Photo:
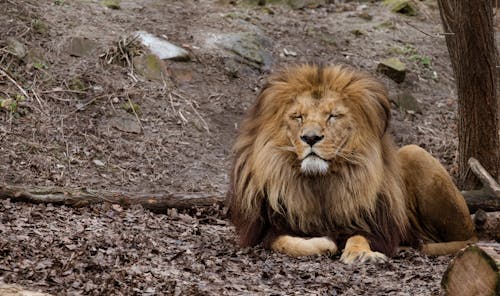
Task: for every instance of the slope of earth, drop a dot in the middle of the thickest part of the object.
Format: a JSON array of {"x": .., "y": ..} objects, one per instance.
[{"x": 78, "y": 120}]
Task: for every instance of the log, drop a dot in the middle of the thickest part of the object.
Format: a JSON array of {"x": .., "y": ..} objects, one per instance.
[
  {"x": 487, "y": 225},
  {"x": 156, "y": 202},
  {"x": 15, "y": 290},
  {"x": 481, "y": 199},
  {"x": 471, "y": 272}
]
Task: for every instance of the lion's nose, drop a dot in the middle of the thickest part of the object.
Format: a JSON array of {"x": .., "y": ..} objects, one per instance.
[{"x": 311, "y": 139}]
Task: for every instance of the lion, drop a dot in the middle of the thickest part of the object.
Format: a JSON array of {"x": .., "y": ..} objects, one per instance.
[{"x": 315, "y": 171}]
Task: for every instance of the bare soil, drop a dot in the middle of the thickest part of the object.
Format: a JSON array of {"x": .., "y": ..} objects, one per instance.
[{"x": 64, "y": 133}]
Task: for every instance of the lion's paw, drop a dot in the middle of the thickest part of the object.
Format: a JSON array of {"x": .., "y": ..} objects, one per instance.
[
  {"x": 298, "y": 246},
  {"x": 362, "y": 256},
  {"x": 323, "y": 245}
]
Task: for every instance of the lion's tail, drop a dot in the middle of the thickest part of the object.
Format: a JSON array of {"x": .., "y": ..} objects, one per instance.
[{"x": 447, "y": 248}]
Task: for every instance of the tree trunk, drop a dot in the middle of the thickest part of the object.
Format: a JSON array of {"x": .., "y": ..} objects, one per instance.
[{"x": 470, "y": 39}]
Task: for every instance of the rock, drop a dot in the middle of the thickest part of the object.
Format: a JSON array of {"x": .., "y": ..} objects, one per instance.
[
  {"x": 150, "y": 66},
  {"x": 401, "y": 6},
  {"x": 16, "y": 48},
  {"x": 393, "y": 68},
  {"x": 162, "y": 48},
  {"x": 126, "y": 124},
  {"x": 98, "y": 163},
  {"x": 253, "y": 47},
  {"x": 235, "y": 69},
  {"x": 112, "y": 4},
  {"x": 407, "y": 102},
  {"x": 80, "y": 46}
]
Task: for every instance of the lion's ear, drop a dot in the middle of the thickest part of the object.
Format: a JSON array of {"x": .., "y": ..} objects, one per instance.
[
  {"x": 373, "y": 95},
  {"x": 378, "y": 98}
]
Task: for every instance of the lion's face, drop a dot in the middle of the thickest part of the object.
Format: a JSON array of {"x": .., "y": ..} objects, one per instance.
[
  {"x": 320, "y": 129},
  {"x": 314, "y": 147}
]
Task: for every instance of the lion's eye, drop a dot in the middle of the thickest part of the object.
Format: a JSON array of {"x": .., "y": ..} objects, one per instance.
[
  {"x": 333, "y": 117},
  {"x": 297, "y": 117}
]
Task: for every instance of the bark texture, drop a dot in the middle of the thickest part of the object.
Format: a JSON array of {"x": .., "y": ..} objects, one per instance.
[
  {"x": 470, "y": 40},
  {"x": 156, "y": 202}
]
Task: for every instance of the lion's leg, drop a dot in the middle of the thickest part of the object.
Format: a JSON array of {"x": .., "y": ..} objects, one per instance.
[
  {"x": 437, "y": 210},
  {"x": 298, "y": 246},
  {"x": 357, "y": 249}
]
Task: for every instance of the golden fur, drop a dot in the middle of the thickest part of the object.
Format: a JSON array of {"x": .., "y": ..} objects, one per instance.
[{"x": 313, "y": 159}]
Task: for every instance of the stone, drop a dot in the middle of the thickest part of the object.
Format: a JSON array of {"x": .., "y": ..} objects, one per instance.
[
  {"x": 17, "y": 48},
  {"x": 112, "y": 4},
  {"x": 407, "y": 102},
  {"x": 393, "y": 68},
  {"x": 162, "y": 48},
  {"x": 126, "y": 124},
  {"x": 80, "y": 46},
  {"x": 401, "y": 6},
  {"x": 253, "y": 47},
  {"x": 150, "y": 67},
  {"x": 98, "y": 162}
]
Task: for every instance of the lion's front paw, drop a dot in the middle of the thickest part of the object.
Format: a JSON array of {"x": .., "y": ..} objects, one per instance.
[
  {"x": 323, "y": 245},
  {"x": 362, "y": 256},
  {"x": 298, "y": 246},
  {"x": 357, "y": 249}
]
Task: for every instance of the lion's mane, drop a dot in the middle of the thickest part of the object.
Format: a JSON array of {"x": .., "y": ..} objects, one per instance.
[{"x": 269, "y": 195}]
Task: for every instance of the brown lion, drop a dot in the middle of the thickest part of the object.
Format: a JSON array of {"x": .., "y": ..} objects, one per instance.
[{"x": 315, "y": 171}]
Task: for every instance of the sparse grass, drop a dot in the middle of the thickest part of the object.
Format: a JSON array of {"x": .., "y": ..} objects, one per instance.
[{"x": 411, "y": 54}]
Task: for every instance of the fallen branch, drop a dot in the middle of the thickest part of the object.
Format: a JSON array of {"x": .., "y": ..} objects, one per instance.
[
  {"x": 486, "y": 198},
  {"x": 487, "y": 225},
  {"x": 472, "y": 272},
  {"x": 481, "y": 199},
  {"x": 156, "y": 202},
  {"x": 484, "y": 176}
]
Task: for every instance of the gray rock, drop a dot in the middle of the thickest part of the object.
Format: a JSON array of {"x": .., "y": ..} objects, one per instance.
[
  {"x": 162, "y": 48},
  {"x": 401, "y": 6},
  {"x": 126, "y": 124},
  {"x": 253, "y": 47},
  {"x": 17, "y": 48},
  {"x": 393, "y": 68},
  {"x": 80, "y": 46},
  {"x": 407, "y": 102}
]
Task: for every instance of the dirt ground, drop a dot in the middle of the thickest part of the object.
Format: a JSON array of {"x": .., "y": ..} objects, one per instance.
[{"x": 69, "y": 127}]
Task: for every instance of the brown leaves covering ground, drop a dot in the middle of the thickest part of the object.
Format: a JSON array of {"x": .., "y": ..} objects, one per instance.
[{"x": 107, "y": 250}]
